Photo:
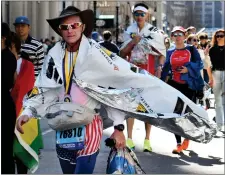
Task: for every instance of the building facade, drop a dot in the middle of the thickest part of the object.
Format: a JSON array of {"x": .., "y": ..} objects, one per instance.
[
  {"x": 210, "y": 14},
  {"x": 39, "y": 11}
]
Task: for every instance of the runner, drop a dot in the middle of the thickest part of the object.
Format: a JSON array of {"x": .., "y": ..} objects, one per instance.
[
  {"x": 184, "y": 62},
  {"x": 73, "y": 26},
  {"x": 139, "y": 58}
]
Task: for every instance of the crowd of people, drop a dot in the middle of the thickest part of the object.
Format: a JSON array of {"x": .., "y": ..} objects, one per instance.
[{"x": 191, "y": 60}]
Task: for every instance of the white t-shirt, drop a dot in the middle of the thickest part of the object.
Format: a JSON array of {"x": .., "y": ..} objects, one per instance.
[{"x": 19, "y": 62}]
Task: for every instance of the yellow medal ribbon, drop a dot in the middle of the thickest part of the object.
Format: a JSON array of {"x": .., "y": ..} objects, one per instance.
[{"x": 69, "y": 73}]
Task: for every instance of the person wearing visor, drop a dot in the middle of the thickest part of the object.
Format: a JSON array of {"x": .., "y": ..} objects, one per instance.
[
  {"x": 183, "y": 62},
  {"x": 191, "y": 30},
  {"x": 141, "y": 60},
  {"x": 76, "y": 148}
]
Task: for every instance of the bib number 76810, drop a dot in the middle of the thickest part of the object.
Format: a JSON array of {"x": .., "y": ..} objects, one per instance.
[{"x": 72, "y": 139}]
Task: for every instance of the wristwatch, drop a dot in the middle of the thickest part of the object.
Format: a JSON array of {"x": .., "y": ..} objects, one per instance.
[{"x": 119, "y": 127}]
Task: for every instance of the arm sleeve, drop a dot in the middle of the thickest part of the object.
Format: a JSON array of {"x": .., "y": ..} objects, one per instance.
[
  {"x": 166, "y": 68},
  {"x": 45, "y": 91}
]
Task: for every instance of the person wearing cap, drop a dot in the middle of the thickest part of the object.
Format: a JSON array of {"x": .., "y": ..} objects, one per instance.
[
  {"x": 146, "y": 62},
  {"x": 8, "y": 108},
  {"x": 30, "y": 45},
  {"x": 61, "y": 65},
  {"x": 191, "y": 30},
  {"x": 184, "y": 62},
  {"x": 107, "y": 43}
]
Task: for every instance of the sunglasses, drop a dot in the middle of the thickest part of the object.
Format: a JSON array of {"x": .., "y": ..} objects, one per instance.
[
  {"x": 195, "y": 40},
  {"x": 203, "y": 37},
  {"x": 139, "y": 14},
  {"x": 178, "y": 34},
  {"x": 71, "y": 26},
  {"x": 219, "y": 36}
]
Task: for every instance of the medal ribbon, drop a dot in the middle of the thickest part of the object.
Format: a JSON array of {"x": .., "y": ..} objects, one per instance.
[{"x": 68, "y": 74}]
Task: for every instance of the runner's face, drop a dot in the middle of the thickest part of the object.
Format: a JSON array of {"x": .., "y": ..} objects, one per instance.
[
  {"x": 72, "y": 35},
  {"x": 178, "y": 37},
  {"x": 140, "y": 16}
]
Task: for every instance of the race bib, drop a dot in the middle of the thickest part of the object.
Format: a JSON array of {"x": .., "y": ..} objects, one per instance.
[{"x": 72, "y": 139}]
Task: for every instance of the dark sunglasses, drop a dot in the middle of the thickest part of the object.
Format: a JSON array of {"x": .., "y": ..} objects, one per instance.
[
  {"x": 72, "y": 26},
  {"x": 219, "y": 36},
  {"x": 139, "y": 14},
  {"x": 178, "y": 34},
  {"x": 195, "y": 40},
  {"x": 203, "y": 37}
]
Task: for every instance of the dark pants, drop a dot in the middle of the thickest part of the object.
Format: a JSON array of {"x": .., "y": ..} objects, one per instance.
[
  {"x": 183, "y": 88},
  {"x": 8, "y": 118},
  {"x": 205, "y": 75},
  {"x": 21, "y": 168},
  {"x": 84, "y": 165}
]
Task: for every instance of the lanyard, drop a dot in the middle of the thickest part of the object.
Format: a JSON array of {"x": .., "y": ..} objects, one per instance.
[{"x": 68, "y": 71}]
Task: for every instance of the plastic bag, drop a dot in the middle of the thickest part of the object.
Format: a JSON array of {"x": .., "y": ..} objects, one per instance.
[
  {"x": 138, "y": 56},
  {"x": 123, "y": 161}
]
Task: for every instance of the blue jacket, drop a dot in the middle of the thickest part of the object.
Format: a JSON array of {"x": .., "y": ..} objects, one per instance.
[{"x": 193, "y": 78}]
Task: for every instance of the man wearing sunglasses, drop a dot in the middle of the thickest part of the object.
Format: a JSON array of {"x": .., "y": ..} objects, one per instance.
[
  {"x": 184, "y": 62},
  {"x": 77, "y": 148},
  {"x": 135, "y": 33}
]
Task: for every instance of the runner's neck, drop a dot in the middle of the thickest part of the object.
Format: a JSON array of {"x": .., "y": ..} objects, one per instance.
[{"x": 180, "y": 46}]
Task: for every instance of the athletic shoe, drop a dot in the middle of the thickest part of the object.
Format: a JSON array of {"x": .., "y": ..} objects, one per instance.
[
  {"x": 185, "y": 144},
  {"x": 147, "y": 146},
  {"x": 178, "y": 150},
  {"x": 130, "y": 144}
]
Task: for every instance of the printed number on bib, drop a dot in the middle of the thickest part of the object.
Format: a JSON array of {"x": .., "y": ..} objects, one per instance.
[{"x": 72, "y": 139}]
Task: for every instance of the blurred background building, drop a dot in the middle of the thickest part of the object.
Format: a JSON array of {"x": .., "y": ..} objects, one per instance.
[{"x": 117, "y": 15}]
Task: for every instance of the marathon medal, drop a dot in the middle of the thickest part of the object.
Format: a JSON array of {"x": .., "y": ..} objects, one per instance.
[{"x": 67, "y": 98}]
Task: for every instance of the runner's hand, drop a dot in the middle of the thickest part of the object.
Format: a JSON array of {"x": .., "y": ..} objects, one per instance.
[
  {"x": 21, "y": 121},
  {"x": 136, "y": 39},
  {"x": 183, "y": 70},
  {"x": 119, "y": 137}
]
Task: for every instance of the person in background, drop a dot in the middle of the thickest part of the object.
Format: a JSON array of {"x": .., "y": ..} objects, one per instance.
[
  {"x": 107, "y": 43},
  {"x": 30, "y": 45},
  {"x": 193, "y": 40},
  {"x": 96, "y": 36},
  {"x": 23, "y": 84},
  {"x": 47, "y": 45},
  {"x": 140, "y": 14},
  {"x": 191, "y": 30},
  {"x": 8, "y": 109},
  {"x": 53, "y": 41},
  {"x": 205, "y": 46},
  {"x": 217, "y": 56},
  {"x": 181, "y": 61}
]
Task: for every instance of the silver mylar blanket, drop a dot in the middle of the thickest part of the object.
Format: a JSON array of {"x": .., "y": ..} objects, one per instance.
[{"x": 189, "y": 126}]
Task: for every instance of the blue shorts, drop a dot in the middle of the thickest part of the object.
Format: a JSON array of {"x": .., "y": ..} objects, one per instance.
[{"x": 84, "y": 165}]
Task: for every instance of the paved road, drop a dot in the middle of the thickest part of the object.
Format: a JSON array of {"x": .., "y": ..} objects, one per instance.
[{"x": 198, "y": 159}]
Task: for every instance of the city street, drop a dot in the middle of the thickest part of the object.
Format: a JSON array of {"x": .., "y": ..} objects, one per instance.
[{"x": 198, "y": 159}]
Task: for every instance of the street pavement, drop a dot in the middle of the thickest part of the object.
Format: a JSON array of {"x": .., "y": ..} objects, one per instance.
[{"x": 198, "y": 159}]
